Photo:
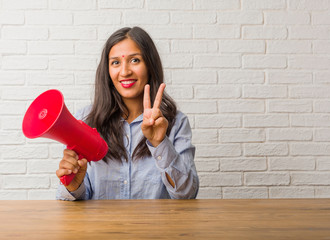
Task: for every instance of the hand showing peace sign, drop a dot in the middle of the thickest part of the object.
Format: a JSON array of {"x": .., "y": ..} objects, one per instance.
[{"x": 154, "y": 125}]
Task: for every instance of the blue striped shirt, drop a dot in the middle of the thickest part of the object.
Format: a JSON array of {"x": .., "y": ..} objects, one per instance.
[{"x": 142, "y": 178}]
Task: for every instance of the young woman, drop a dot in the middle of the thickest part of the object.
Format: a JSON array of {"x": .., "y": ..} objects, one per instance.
[{"x": 150, "y": 152}]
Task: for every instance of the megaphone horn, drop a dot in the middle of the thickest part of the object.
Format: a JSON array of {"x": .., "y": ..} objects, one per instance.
[{"x": 48, "y": 117}]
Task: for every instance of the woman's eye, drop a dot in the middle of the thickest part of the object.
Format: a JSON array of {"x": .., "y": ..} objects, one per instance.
[
  {"x": 114, "y": 62},
  {"x": 135, "y": 60}
]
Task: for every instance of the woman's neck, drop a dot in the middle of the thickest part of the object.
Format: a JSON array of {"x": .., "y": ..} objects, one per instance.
[{"x": 135, "y": 108}]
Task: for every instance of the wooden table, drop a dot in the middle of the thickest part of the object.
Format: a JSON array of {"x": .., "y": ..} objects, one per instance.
[{"x": 166, "y": 219}]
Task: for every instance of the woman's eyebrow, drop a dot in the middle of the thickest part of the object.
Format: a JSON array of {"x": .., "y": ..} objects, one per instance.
[{"x": 131, "y": 55}]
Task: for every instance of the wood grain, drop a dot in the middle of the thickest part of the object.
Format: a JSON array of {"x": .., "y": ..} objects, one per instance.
[{"x": 166, "y": 219}]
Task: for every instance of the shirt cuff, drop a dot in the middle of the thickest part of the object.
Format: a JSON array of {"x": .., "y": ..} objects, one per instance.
[
  {"x": 164, "y": 153},
  {"x": 64, "y": 194}
]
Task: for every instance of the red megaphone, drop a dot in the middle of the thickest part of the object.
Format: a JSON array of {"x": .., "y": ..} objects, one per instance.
[{"x": 48, "y": 117}]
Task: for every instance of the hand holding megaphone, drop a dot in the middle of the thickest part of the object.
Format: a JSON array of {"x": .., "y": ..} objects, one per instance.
[{"x": 49, "y": 117}]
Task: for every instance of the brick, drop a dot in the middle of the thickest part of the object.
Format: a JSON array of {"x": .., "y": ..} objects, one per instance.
[
  {"x": 51, "y": 47},
  {"x": 169, "y": 32},
  {"x": 13, "y": 47},
  {"x": 241, "y": 77},
  {"x": 26, "y": 182},
  {"x": 194, "y": 46},
  {"x": 266, "y": 179},
  {"x": 83, "y": 78},
  {"x": 120, "y": 4},
  {"x": 263, "y": 4},
  {"x": 266, "y": 61},
  {"x": 266, "y": 149},
  {"x": 241, "y": 106},
  {"x": 198, "y": 107},
  {"x": 24, "y": 4},
  {"x": 287, "y": 18},
  {"x": 11, "y": 137},
  {"x": 49, "y": 78},
  {"x": 25, "y": 33},
  {"x": 264, "y": 91},
  {"x": 309, "y": 149},
  {"x": 11, "y": 17},
  {"x": 217, "y": 150},
  {"x": 293, "y": 106},
  {"x": 290, "y": 77},
  {"x": 312, "y": 178},
  {"x": 245, "y": 193},
  {"x": 12, "y": 167},
  {"x": 97, "y": 17},
  {"x": 88, "y": 48},
  {"x": 193, "y": 77},
  {"x": 242, "y": 164},
  {"x": 36, "y": 151},
  {"x": 242, "y": 135},
  {"x": 279, "y": 120},
  {"x": 48, "y": 18},
  {"x": 291, "y": 192},
  {"x": 321, "y": 106},
  {"x": 212, "y": 61},
  {"x": 180, "y": 92},
  {"x": 322, "y": 192},
  {"x": 12, "y": 78},
  {"x": 218, "y": 121},
  {"x": 42, "y": 194},
  {"x": 13, "y": 195},
  {"x": 308, "y": 5},
  {"x": 264, "y": 32},
  {"x": 75, "y": 4},
  {"x": 321, "y": 47},
  {"x": 177, "y": 60},
  {"x": 25, "y": 62},
  {"x": 291, "y": 164},
  {"x": 304, "y": 62},
  {"x": 242, "y": 46},
  {"x": 319, "y": 18},
  {"x": 322, "y": 77},
  {"x": 289, "y": 46},
  {"x": 72, "y": 33},
  {"x": 240, "y": 17},
  {"x": 169, "y": 5},
  {"x": 323, "y": 164},
  {"x": 12, "y": 108},
  {"x": 289, "y": 134},
  {"x": 192, "y": 18},
  {"x": 216, "y": 31},
  {"x": 204, "y": 136},
  {"x": 72, "y": 63},
  {"x": 309, "y": 32},
  {"x": 309, "y": 92},
  {"x": 208, "y": 193},
  {"x": 12, "y": 123},
  {"x": 42, "y": 166},
  {"x": 207, "y": 166},
  {"x": 219, "y": 92},
  {"x": 220, "y": 179},
  {"x": 216, "y": 5},
  {"x": 315, "y": 120},
  {"x": 322, "y": 135},
  {"x": 18, "y": 93}
]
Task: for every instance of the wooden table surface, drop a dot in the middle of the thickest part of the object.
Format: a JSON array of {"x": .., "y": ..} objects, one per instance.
[{"x": 166, "y": 219}]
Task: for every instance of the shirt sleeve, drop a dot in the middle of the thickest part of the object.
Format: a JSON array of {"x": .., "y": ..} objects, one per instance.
[{"x": 176, "y": 158}]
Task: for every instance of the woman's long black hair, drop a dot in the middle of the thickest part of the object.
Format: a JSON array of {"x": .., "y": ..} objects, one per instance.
[{"x": 108, "y": 107}]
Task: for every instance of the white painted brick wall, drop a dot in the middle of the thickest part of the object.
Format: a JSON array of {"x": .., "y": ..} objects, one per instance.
[{"x": 252, "y": 75}]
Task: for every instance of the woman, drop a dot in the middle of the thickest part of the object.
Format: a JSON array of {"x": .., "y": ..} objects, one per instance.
[{"x": 150, "y": 152}]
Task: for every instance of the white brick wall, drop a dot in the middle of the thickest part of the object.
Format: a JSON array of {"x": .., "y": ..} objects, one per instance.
[{"x": 252, "y": 75}]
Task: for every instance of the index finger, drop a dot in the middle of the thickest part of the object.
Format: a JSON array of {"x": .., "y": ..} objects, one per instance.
[
  {"x": 146, "y": 97},
  {"x": 158, "y": 99}
]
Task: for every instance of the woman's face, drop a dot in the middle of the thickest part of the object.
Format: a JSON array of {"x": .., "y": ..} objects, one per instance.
[{"x": 128, "y": 70}]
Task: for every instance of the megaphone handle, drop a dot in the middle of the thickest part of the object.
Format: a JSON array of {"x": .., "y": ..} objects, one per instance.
[{"x": 66, "y": 179}]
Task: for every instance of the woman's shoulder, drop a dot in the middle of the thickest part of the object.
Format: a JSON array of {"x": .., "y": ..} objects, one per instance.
[{"x": 82, "y": 113}]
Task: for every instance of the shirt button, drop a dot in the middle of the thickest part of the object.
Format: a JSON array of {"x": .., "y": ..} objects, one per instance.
[
  {"x": 125, "y": 182},
  {"x": 159, "y": 157}
]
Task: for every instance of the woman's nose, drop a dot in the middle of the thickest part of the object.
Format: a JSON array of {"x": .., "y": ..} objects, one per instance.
[{"x": 125, "y": 69}]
